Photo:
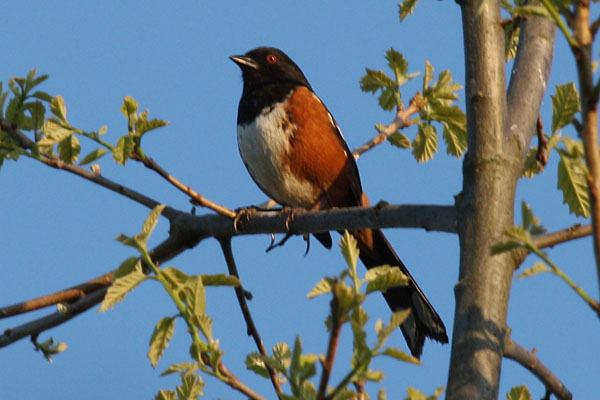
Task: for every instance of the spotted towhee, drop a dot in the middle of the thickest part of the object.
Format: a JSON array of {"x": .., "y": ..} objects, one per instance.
[{"x": 295, "y": 152}]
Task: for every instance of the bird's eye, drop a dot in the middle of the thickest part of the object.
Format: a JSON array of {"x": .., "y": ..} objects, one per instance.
[{"x": 271, "y": 58}]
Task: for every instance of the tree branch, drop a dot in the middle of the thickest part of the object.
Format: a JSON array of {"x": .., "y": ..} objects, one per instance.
[
  {"x": 232, "y": 380},
  {"x": 401, "y": 121},
  {"x": 241, "y": 297},
  {"x": 529, "y": 360},
  {"x": 334, "y": 336},
  {"x": 529, "y": 77},
  {"x": 196, "y": 197}
]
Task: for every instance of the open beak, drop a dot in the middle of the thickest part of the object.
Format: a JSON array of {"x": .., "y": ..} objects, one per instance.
[{"x": 244, "y": 61}]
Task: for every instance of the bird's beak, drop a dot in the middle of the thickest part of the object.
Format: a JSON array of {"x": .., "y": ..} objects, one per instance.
[{"x": 243, "y": 61}]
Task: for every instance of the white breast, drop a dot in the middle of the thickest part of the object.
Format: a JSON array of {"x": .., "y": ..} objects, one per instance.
[{"x": 263, "y": 145}]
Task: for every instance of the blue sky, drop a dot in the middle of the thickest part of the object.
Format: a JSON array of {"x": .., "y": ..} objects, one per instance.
[{"x": 57, "y": 230}]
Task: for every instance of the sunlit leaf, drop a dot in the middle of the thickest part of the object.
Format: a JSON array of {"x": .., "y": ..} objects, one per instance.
[
  {"x": 565, "y": 103},
  {"x": 322, "y": 287},
  {"x": 518, "y": 393},
  {"x": 220, "y": 280},
  {"x": 124, "y": 149},
  {"x": 400, "y": 355},
  {"x": 537, "y": 268},
  {"x": 163, "y": 333},
  {"x": 68, "y": 149},
  {"x": 425, "y": 143},
  {"x": 572, "y": 181},
  {"x": 406, "y": 8},
  {"x": 455, "y": 138},
  {"x": 398, "y": 139},
  {"x": 58, "y": 108},
  {"x": 384, "y": 277},
  {"x": 121, "y": 286},
  {"x": 93, "y": 156}
]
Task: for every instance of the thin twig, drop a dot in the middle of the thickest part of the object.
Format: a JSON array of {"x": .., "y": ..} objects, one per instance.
[
  {"x": 63, "y": 296},
  {"x": 542, "y": 151},
  {"x": 401, "y": 121},
  {"x": 232, "y": 380},
  {"x": 582, "y": 50},
  {"x": 334, "y": 336},
  {"x": 196, "y": 197},
  {"x": 241, "y": 296},
  {"x": 529, "y": 360}
]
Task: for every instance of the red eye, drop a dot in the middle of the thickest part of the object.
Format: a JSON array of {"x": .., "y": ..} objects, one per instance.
[{"x": 271, "y": 59}]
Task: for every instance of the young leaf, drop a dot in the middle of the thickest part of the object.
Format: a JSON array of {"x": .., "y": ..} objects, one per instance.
[
  {"x": 428, "y": 76},
  {"x": 406, "y": 8},
  {"x": 190, "y": 388},
  {"x": 124, "y": 149},
  {"x": 398, "y": 139},
  {"x": 349, "y": 249},
  {"x": 220, "y": 280},
  {"x": 163, "y": 333},
  {"x": 282, "y": 354},
  {"x": 565, "y": 103},
  {"x": 531, "y": 167},
  {"x": 537, "y": 268},
  {"x": 53, "y": 133},
  {"x": 165, "y": 395},
  {"x": 42, "y": 96},
  {"x": 93, "y": 156},
  {"x": 381, "y": 395},
  {"x": 425, "y": 143},
  {"x": 400, "y": 355},
  {"x": 129, "y": 108},
  {"x": 384, "y": 277},
  {"x": 324, "y": 286},
  {"x": 518, "y": 393},
  {"x": 68, "y": 149},
  {"x": 142, "y": 125},
  {"x": 530, "y": 221},
  {"x": 455, "y": 139},
  {"x": 58, "y": 108},
  {"x": 195, "y": 295},
  {"x": 151, "y": 221},
  {"x": 184, "y": 367},
  {"x": 375, "y": 80},
  {"x": 511, "y": 40},
  {"x": 176, "y": 278},
  {"x": 572, "y": 173},
  {"x": 127, "y": 266},
  {"x": 121, "y": 286},
  {"x": 397, "y": 63},
  {"x": 255, "y": 363}
]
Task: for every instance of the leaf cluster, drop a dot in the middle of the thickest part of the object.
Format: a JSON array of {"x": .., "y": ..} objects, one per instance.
[
  {"x": 26, "y": 110},
  {"x": 435, "y": 104},
  {"x": 572, "y": 170},
  {"x": 349, "y": 291}
]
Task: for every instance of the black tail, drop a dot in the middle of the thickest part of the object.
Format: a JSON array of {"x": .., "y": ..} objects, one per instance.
[{"x": 423, "y": 320}]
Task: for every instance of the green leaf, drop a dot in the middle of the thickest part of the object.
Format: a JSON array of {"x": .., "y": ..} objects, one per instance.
[
  {"x": 443, "y": 90},
  {"x": 163, "y": 333},
  {"x": 176, "y": 278},
  {"x": 68, "y": 149},
  {"x": 121, "y": 286},
  {"x": 375, "y": 80},
  {"x": 518, "y": 393},
  {"x": 142, "y": 125},
  {"x": 124, "y": 149},
  {"x": 165, "y": 395},
  {"x": 518, "y": 237},
  {"x": 324, "y": 286},
  {"x": 428, "y": 76},
  {"x": 572, "y": 181},
  {"x": 530, "y": 221},
  {"x": 220, "y": 280},
  {"x": 38, "y": 112},
  {"x": 396, "y": 62},
  {"x": 129, "y": 108},
  {"x": 425, "y": 143},
  {"x": 373, "y": 376},
  {"x": 190, "y": 388},
  {"x": 537, "y": 268},
  {"x": 388, "y": 99},
  {"x": 565, "y": 103},
  {"x": 398, "y": 139},
  {"x": 282, "y": 354},
  {"x": 381, "y": 395},
  {"x": 384, "y": 277},
  {"x": 533, "y": 10},
  {"x": 255, "y": 363},
  {"x": 151, "y": 221},
  {"x": 53, "y": 133},
  {"x": 455, "y": 139},
  {"x": 511, "y": 40},
  {"x": 195, "y": 295},
  {"x": 531, "y": 167},
  {"x": 349, "y": 248},
  {"x": 128, "y": 266},
  {"x": 42, "y": 96},
  {"x": 58, "y": 108},
  {"x": 400, "y": 355},
  {"x": 93, "y": 156},
  {"x": 384, "y": 331},
  {"x": 406, "y": 8},
  {"x": 184, "y": 367}
]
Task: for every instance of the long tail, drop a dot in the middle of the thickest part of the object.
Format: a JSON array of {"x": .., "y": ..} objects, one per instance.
[{"x": 423, "y": 320}]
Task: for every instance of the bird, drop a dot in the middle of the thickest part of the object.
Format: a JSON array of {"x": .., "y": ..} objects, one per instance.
[{"x": 295, "y": 152}]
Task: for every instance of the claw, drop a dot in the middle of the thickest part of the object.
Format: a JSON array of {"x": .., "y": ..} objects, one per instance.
[
  {"x": 280, "y": 243},
  {"x": 241, "y": 213},
  {"x": 307, "y": 239}
]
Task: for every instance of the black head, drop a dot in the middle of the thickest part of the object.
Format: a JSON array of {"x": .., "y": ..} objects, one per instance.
[{"x": 268, "y": 65}]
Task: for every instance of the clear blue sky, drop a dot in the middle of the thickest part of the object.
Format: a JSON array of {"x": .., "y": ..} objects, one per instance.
[{"x": 57, "y": 230}]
